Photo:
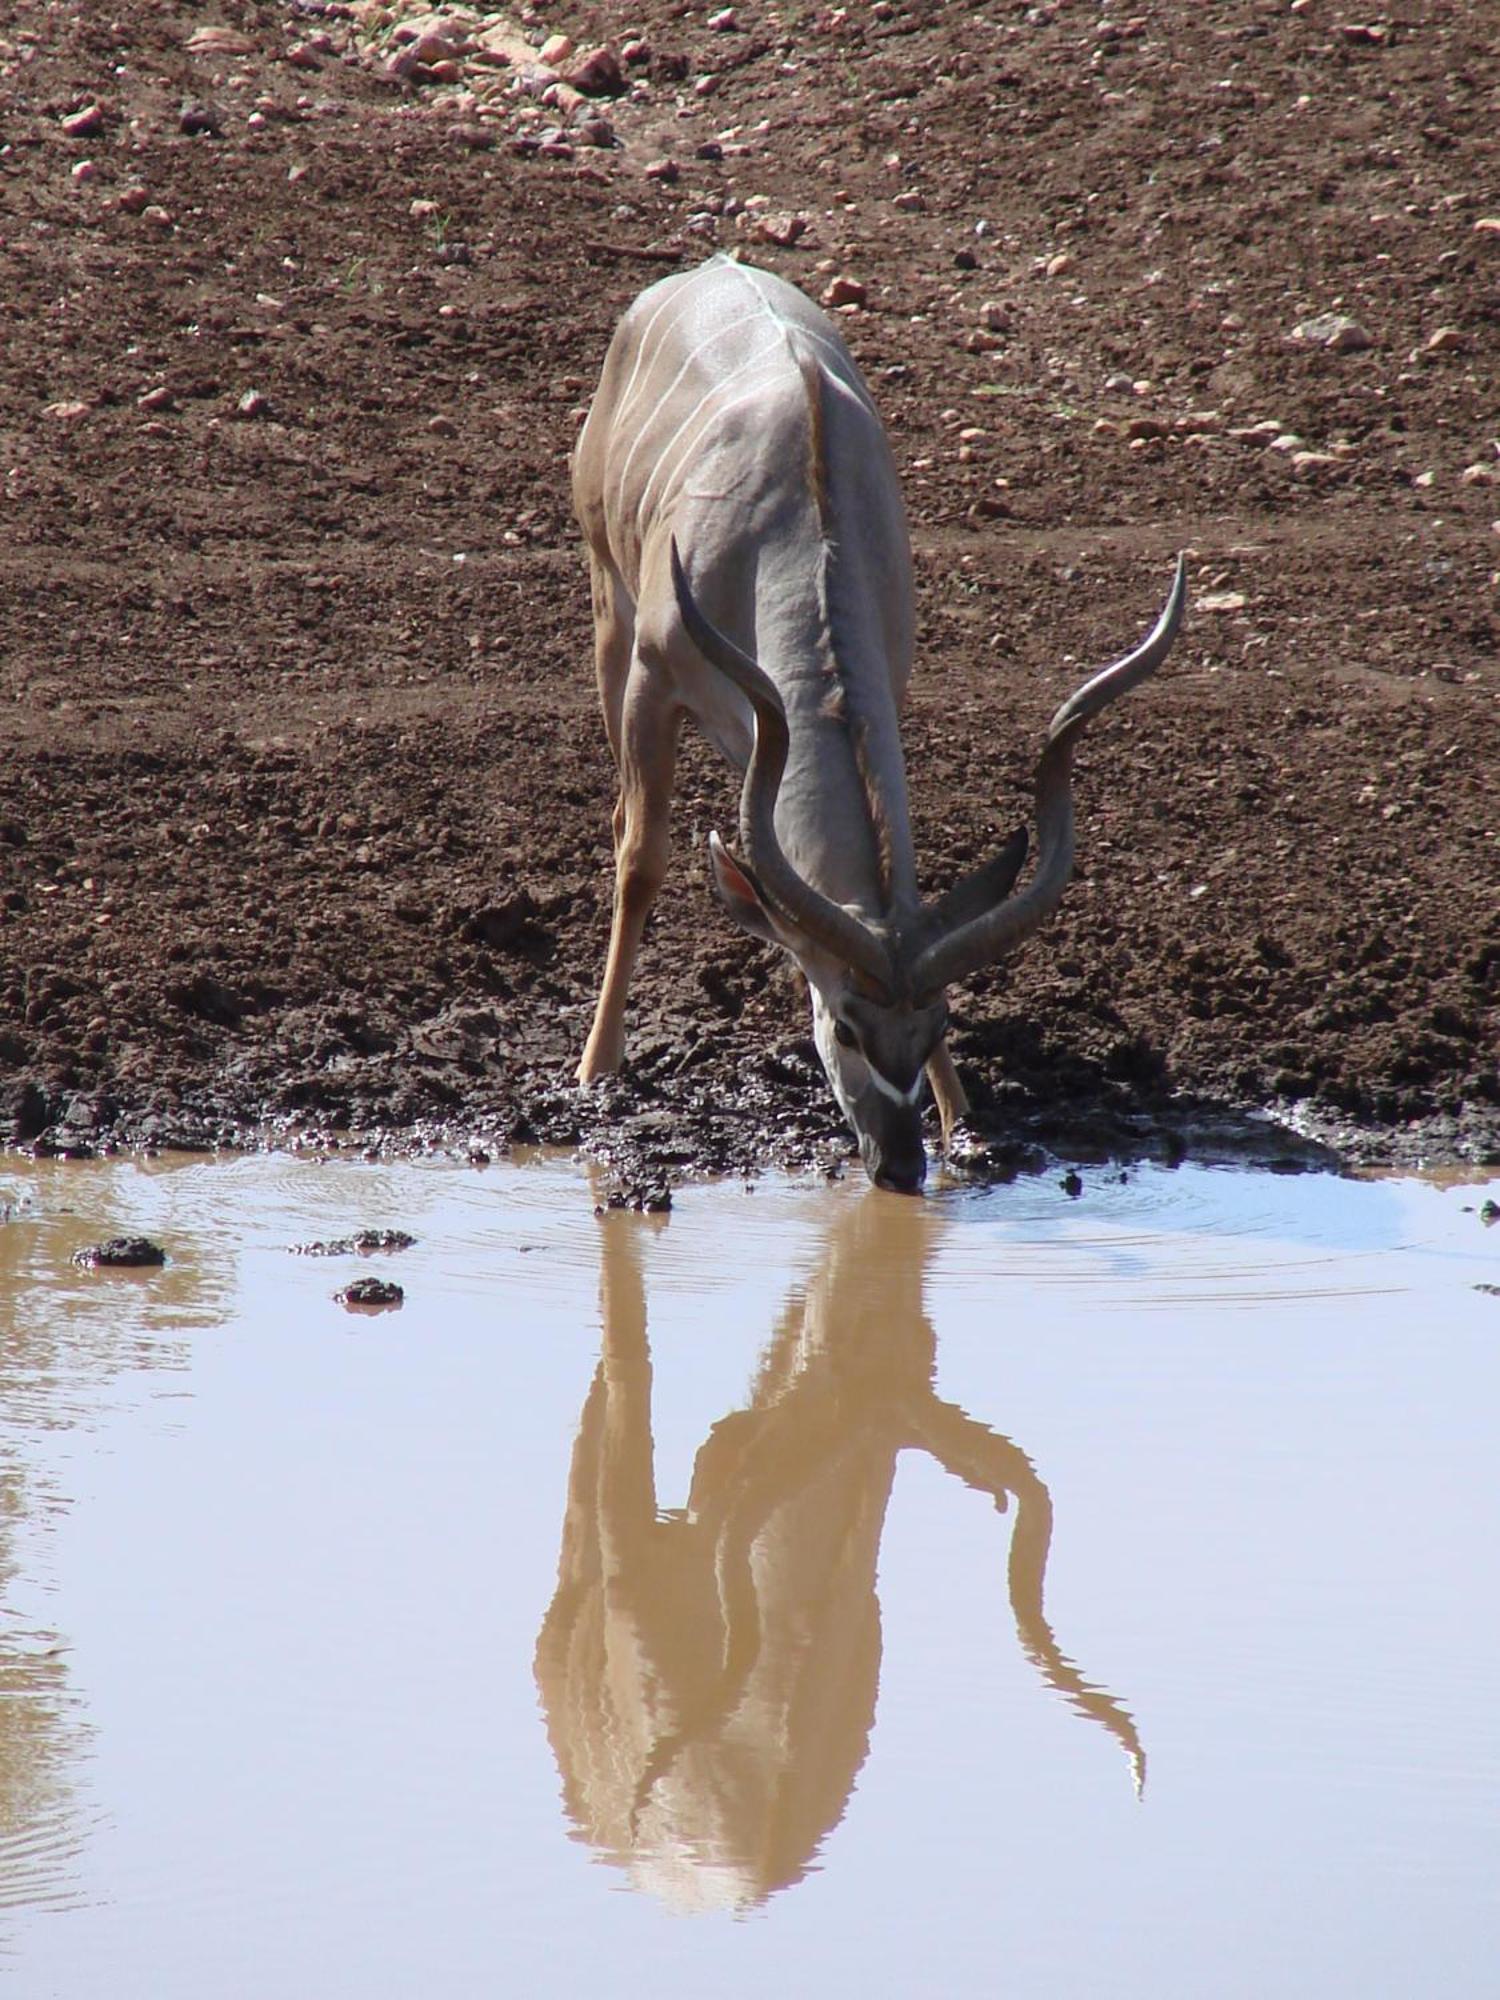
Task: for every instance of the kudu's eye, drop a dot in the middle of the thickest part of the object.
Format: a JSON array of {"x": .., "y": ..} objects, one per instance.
[{"x": 843, "y": 1034}]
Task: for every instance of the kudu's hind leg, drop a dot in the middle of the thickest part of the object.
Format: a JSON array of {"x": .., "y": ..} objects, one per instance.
[
  {"x": 948, "y": 1093},
  {"x": 644, "y": 730}
]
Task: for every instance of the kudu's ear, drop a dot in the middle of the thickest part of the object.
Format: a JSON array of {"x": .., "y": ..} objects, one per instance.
[{"x": 741, "y": 894}]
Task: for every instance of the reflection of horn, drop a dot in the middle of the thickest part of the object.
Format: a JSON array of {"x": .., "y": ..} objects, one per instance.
[{"x": 992, "y": 1465}]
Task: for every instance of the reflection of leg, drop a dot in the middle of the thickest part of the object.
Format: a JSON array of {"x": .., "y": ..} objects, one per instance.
[
  {"x": 650, "y": 725},
  {"x": 947, "y": 1091}
]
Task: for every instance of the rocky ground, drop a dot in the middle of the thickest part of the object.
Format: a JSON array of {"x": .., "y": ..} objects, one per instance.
[{"x": 304, "y": 800}]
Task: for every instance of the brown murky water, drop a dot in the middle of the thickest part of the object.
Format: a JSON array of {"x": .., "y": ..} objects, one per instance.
[{"x": 814, "y": 1592}]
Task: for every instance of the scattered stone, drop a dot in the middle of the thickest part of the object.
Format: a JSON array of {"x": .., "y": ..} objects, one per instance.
[
  {"x": 1262, "y": 434},
  {"x": 1072, "y": 1184},
  {"x": 909, "y": 201},
  {"x": 121, "y": 1253},
  {"x": 1446, "y": 340},
  {"x": 1335, "y": 331},
  {"x": 83, "y": 171},
  {"x": 216, "y": 40},
  {"x": 65, "y": 413},
  {"x": 1060, "y": 265},
  {"x": 157, "y": 399},
  {"x": 1479, "y": 475},
  {"x": 1487, "y": 225},
  {"x": 370, "y": 1295},
  {"x": 596, "y": 132},
  {"x": 1372, "y": 32},
  {"x": 251, "y": 405},
  {"x": 994, "y": 316},
  {"x": 782, "y": 230},
  {"x": 472, "y": 136},
  {"x": 1220, "y": 602},
  {"x": 555, "y": 51},
  {"x": 132, "y": 200},
  {"x": 844, "y": 291},
  {"x": 599, "y": 73},
  {"x": 666, "y": 171},
  {"x": 1142, "y": 429},
  {"x": 199, "y": 119},
  {"x": 725, "y": 22},
  {"x": 85, "y": 124},
  {"x": 1489, "y": 1213},
  {"x": 157, "y": 216},
  {"x": 1303, "y": 462},
  {"x": 441, "y": 426}
]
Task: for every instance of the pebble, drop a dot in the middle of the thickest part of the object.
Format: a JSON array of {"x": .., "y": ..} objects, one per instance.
[
  {"x": 159, "y": 398},
  {"x": 1141, "y": 430},
  {"x": 199, "y": 119},
  {"x": 783, "y": 230},
  {"x": 555, "y": 50},
  {"x": 132, "y": 200},
  {"x": 1060, "y": 265},
  {"x": 1335, "y": 331},
  {"x": 441, "y": 426},
  {"x": 666, "y": 171},
  {"x": 84, "y": 170},
  {"x": 1446, "y": 340},
  {"x": 84, "y": 124},
  {"x": 844, "y": 291},
  {"x": 65, "y": 413},
  {"x": 155, "y": 214},
  {"x": 1487, "y": 225},
  {"x": 251, "y": 405},
  {"x": 994, "y": 316},
  {"x": 599, "y": 73},
  {"x": 1221, "y": 601}
]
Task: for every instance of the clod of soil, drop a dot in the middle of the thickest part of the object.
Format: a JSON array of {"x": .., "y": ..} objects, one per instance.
[
  {"x": 367, "y": 1243},
  {"x": 121, "y": 1253},
  {"x": 370, "y": 1295}
]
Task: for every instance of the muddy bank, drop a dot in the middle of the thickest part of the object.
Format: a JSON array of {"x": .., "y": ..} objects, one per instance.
[{"x": 303, "y": 796}]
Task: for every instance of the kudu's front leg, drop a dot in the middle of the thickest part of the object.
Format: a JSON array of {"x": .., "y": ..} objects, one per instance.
[{"x": 649, "y": 727}]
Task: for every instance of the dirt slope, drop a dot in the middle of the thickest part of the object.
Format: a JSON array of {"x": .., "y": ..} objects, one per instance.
[{"x": 303, "y": 797}]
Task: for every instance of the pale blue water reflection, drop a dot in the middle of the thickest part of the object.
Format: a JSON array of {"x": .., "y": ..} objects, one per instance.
[{"x": 275, "y": 1579}]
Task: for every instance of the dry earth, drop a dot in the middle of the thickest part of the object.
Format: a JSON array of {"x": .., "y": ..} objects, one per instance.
[{"x": 303, "y": 797}]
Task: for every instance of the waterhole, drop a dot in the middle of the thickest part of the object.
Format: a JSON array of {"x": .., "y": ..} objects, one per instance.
[{"x": 811, "y": 1592}]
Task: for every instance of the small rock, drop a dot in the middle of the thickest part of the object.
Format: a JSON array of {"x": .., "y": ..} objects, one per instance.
[
  {"x": 1335, "y": 331},
  {"x": 1487, "y": 225},
  {"x": 725, "y": 22},
  {"x": 1446, "y": 340},
  {"x": 1141, "y": 429},
  {"x": 121, "y": 1253},
  {"x": 83, "y": 171},
  {"x": 132, "y": 200},
  {"x": 251, "y": 405},
  {"x": 1479, "y": 475},
  {"x": 1072, "y": 1184},
  {"x": 1489, "y": 1213},
  {"x": 84, "y": 124},
  {"x": 1060, "y": 265},
  {"x": 156, "y": 400},
  {"x": 472, "y": 136},
  {"x": 441, "y": 426},
  {"x": 1220, "y": 602},
  {"x": 555, "y": 51},
  {"x": 666, "y": 171},
  {"x": 157, "y": 216},
  {"x": 783, "y": 230},
  {"x": 844, "y": 291},
  {"x": 994, "y": 316},
  {"x": 370, "y": 1295},
  {"x": 214, "y": 40},
  {"x": 1303, "y": 462},
  {"x": 65, "y": 413},
  {"x": 909, "y": 201},
  {"x": 596, "y": 132},
  {"x": 1375, "y": 32},
  {"x": 199, "y": 119}
]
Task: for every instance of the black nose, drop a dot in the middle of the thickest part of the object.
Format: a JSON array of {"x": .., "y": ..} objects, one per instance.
[{"x": 900, "y": 1169}]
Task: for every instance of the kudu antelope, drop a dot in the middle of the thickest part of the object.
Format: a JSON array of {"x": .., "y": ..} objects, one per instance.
[{"x": 751, "y": 568}]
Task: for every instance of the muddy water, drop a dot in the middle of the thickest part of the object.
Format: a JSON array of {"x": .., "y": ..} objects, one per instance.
[{"x": 813, "y": 1592}]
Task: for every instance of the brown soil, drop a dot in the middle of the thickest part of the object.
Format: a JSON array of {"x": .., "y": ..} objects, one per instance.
[{"x": 304, "y": 801}]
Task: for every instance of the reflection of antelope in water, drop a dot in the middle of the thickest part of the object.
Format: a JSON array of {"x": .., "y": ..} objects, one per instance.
[{"x": 710, "y": 1677}]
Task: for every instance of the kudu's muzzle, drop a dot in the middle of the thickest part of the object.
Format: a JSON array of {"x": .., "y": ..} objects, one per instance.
[{"x": 890, "y": 1143}]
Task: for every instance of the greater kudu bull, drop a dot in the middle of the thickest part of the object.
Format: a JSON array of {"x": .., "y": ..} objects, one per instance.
[{"x": 751, "y": 568}]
